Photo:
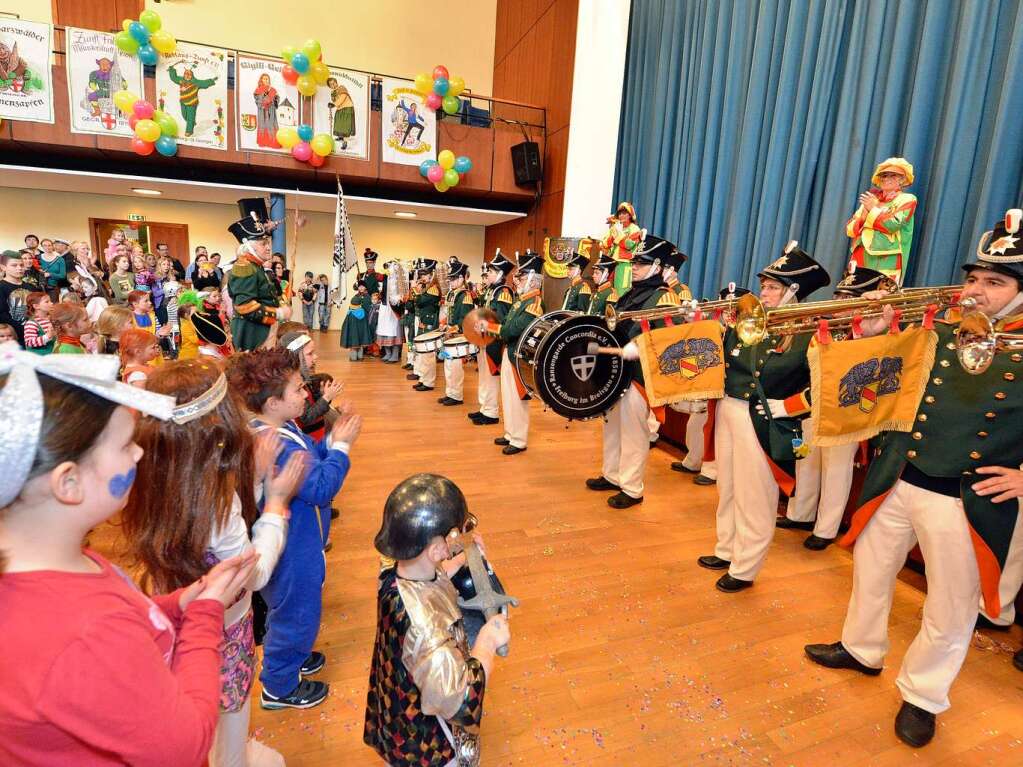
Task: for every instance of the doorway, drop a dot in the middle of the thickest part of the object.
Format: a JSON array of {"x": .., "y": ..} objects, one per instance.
[{"x": 148, "y": 234}]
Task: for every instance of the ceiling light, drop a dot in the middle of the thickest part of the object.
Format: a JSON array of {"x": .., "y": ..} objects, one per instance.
[
  {"x": 404, "y": 214},
  {"x": 140, "y": 190}
]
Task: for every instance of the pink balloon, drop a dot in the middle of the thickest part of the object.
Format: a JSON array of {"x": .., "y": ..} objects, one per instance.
[
  {"x": 302, "y": 151},
  {"x": 435, "y": 174},
  {"x": 316, "y": 160},
  {"x": 434, "y": 101},
  {"x": 143, "y": 109}
]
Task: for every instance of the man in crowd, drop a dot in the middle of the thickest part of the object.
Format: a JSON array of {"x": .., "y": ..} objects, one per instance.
[{"x": 13, "y": 294}]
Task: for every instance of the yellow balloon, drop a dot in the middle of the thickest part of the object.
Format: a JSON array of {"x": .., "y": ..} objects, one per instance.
[
  {"x": 147, "y": 130},
  {"x": 287, "y": 137},
  {"x": 455, "y": 86},
  {"x": 306, "y": 85},
  {"x": 126, "y": 24},
  {"x": 322, "y": 144},
  {"x": 423, "y": 84},
  {"x": 163, "y": 41},
  {"x": 446, "y": 159},
  {"x": 125, "y": 100},
  {"x": 319, "y": 72}
]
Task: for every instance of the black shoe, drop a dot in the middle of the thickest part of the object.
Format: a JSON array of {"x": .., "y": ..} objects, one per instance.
[
  {"x": 411, "y": 377},
  {"x": 730, "y": 585},
  {"x": 680, "y": 466},
  {"x": 501, "y": 441},
  {"x": 621, "y": 500},
  {"x": 474, "y": 415},
  {"x": 816, "y": 543},
  {"x": 712, "y": 562},
  {"x": 653, "y": 443},
  {"x": 700, "y": 479},
  {"x": 422, "y": 387},
  {"x": 1017, "y": 660},
  {"x": 984, "y": 623},
  {"x": 486, "y": 421},
  {"x": 335, "y": 513},
  {"x": 406, "y": 366},
  {"x": 512, "y": 450},
  {"x": 451, "y": 402},
  {"x": 313, "y": 663},
  {"x": 836, "y": 656},
  {"x": 306, "y": 695},
  {"x": 790, "y": 524},
  {"x": 327, "y": 546},
  {"x": 914, "y": 726},
  {"x": 444, "y": 400},
  {"x": 599, "y": 483}
]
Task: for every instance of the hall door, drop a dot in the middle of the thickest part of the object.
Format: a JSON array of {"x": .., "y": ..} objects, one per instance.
[{"x": 146, "y": 233}]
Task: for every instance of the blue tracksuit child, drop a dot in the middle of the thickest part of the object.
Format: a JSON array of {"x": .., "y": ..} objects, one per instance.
[{"x": 294, "y": 595}]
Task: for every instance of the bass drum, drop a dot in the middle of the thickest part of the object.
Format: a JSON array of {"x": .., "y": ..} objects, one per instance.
[{"x": 554, "y": 363}]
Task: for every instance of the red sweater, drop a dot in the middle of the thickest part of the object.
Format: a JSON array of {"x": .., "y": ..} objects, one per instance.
[{"x": 96, "y": 673}]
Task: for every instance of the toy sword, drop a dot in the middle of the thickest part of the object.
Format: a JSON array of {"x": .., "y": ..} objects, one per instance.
[{"x": 487, "y": 600}]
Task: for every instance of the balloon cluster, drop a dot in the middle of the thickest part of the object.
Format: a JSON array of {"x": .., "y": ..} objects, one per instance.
[
  {"x": 145, "y": 38},
  {"x": 304, "y": 67},
  {"x": 154, "y": 130},
  {"x": 304, "y": 146},
  {"x": 441, "y": 91},
  {"x": 446, "y": 171}
]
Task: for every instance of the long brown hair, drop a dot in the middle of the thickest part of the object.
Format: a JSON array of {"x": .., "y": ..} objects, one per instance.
[{"x": 187, "y": 479}]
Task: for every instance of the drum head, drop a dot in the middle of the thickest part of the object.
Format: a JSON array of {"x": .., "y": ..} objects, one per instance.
[{"x": 572, "y": 382}]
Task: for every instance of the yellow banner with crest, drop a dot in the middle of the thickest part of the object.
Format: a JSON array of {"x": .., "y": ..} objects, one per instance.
[{"x": 683, "y": 362}]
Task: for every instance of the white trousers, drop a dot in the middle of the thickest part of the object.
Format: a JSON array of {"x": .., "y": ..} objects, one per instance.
[
  {"x": 823, "y": 481},
  {"x": 454, "y": 377},
  {"x": 747, "y": 492},
  {"x": 709, "y": 469},
  {"x": 488, "y": 387},
  {"x": 232, "y": 746},
  {"x": 515, "y": 409},
  {"x": 694, "y": 441},
  {"x": 653, "y": 426},
  {"x": 1012, "y": 576},
  {"x": 907, "y": 516},
  {"x": 425, "y": 366},
  {"x": 627, "y": 443}
]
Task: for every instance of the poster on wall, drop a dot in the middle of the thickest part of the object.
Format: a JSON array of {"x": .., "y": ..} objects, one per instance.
[
  {"x": 342, "y": 110},
  {"x": 26, "y": 83},
  {"x": 96, "y": 70},
  {"x": 265, "y": 103},
  {"x": 191, "y": 86},
  {"x": 409, "y": 133}
]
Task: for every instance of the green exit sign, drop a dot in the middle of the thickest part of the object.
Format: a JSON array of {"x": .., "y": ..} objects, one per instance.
[{"x": 136, "y": 217}]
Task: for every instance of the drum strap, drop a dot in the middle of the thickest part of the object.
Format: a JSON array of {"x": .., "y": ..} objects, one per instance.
[{"x": 657, "y": 411}]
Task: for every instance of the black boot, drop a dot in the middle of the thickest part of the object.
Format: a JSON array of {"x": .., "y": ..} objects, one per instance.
[{"x": 914, "y": 726}]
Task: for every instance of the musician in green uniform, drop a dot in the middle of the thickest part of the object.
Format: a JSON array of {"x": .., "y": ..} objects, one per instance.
[
  {"x": 577, "y": 297},
  {"x": 253, "y": 297},
  {"x": 374, "y": 280},
  {"x": 408, "y": 326},
  {"x": 499, "y": 298},
  {"x": 458, "y": 303},
  {"x": 680, "y": 289},
  {"x": 951, "y": 486},
  {"x": 605, "y": 294},
  {"x": 427, "y": 309}
]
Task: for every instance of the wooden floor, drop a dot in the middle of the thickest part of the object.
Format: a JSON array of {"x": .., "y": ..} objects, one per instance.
[{"x": 623, "y": 653}]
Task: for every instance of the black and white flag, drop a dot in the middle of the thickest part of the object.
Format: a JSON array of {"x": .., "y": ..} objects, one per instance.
[{"x": 345, "y": 255}]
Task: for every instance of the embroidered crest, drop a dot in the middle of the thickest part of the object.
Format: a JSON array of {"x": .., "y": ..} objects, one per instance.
[
  {"x": 689, "y": 357},
  {"x": 867, "y": 381}
]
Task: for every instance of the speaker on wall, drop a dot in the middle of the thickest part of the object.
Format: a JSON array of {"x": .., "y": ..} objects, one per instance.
[{"x": 526, "y": 163}]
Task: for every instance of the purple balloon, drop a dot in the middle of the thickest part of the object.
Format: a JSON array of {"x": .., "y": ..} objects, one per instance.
[
  {"x": 302, "y": 151},
  {"x": 435, "y": 174}
]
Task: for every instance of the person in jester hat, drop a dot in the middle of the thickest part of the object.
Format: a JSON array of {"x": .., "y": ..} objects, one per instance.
[
  {"x": 620, "y": 241},
  {"x": 355, "y": 332},
  {"x": 881, "y": 229}
]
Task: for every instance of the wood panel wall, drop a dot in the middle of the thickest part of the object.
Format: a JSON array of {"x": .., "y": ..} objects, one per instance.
[{"x": 534, "y": 59}]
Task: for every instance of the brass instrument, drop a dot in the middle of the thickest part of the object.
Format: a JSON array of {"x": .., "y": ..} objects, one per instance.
[
  {"x": 977, "y": 342},
  {"x": 755, "y": 322},
  {"x": 397, "y": 283},
  {"x": 441, "y": 274},
  {"x": 686, "y": 310}
]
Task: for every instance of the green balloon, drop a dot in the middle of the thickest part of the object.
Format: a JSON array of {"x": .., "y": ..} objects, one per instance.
[
  {"x": 451, "y": 177},
  {"x": 168, "y": 125},
  {"x": 150, "y": 20},
  {"x": 451, "y": 105},
  {"x": 287, "y": 52},
  {"x": 126, "y": 43}
]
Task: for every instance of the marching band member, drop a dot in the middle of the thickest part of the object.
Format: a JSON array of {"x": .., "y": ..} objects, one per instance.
[
  {"x": 408, "y": 324},
  {"x": 256, "y": 307},
  {"x": 374, "y": 280},
  {"x": 577, "y": 297},
  {"x": 881, "y": 229},
  {"x": 824, "y": 477},
  {"x": 680, "y": 289},
  {"x": 620, "y": 241},
  {"x": 605, "y": 295},
  {"x": 626, "y": 433},
  {"x": 766, "y": 387},
  {"x": 458, "y": 303},
  {"x": 427, "y": 303},
  {"x": 499, "y": 299},
  {"x": 527, "y": 307},
  {"x": 951, "y": 486}
]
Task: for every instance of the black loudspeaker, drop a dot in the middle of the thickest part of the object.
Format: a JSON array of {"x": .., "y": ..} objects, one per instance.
[{"x": 526, "y": 162}]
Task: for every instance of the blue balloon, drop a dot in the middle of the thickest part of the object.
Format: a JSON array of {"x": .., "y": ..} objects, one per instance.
[
  {"x": 300, "y": 63},
  {"x": 424, "y": 167},
  {"x": 138, "y": 30},
  {"x": 167, "y": 146},
  {"x": 305, "y": 132},
  {"x": 463, "y": 164},
  {"x": 148, "y": 55},
  {"x": 441, "y": 86}
]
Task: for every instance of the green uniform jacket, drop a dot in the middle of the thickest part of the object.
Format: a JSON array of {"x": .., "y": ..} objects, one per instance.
[
  {"x": 964, "y": 421},
  {"x": 373, "y": 280},
  {"x": 577, "y": 299},
  {"x": 605, "y": 296},
  {"x": 525, "y": 309},
  {"x": 428, "y": 309},
  {"x": 459, "y": 305},
  {"x": 499, "y": 299},
  {"x": 255, "y": 304}
]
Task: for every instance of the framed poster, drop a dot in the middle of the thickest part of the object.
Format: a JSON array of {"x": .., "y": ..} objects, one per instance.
[
  {"x": 26, "y": 82},
  {"x": 265, "y": 103},
  {"x": 409, "y": 131},
  {"x": 96, "y": 70},
  {"x": 191, "y": 86},
  {"x": 342, "y": 110}
]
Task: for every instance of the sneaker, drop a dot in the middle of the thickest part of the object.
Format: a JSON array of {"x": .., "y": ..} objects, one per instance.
[
  {"x": 306, "y": 695},
  {"x": 313, "y": 663}
]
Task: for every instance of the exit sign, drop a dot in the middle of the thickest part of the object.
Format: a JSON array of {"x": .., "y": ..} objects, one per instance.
[{"x": 136, "y": 217}]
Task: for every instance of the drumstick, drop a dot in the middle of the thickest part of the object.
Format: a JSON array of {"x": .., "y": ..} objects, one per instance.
[{"x": 594, "y": 348}]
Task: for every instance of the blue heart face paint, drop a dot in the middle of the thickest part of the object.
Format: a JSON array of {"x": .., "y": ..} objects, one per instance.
[{"x": 120, "y": 484}]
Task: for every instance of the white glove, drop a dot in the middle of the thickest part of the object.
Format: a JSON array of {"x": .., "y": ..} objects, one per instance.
[
  {"x": 630, "y": 351},
  {"x": 776, "y": 406}
]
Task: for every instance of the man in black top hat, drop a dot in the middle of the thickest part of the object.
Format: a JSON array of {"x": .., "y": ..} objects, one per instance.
[
  {"x": 256, "y": 306},
  {"x": 499, "y": 299}
]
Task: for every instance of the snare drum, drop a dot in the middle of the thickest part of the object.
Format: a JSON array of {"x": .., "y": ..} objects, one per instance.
[
  {"x": 428, "y": 342},
  {"x": 458, "y": 347},
  {"x": 554, "y": 363}
]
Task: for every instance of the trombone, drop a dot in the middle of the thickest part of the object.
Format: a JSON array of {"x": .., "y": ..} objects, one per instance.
[
  {"x": 686, "y": 310},
  {"x": 977, "y": 342}
]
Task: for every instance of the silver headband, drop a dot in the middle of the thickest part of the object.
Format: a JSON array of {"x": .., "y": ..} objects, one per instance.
[
  {"x": 21, "y": 403},
  {"x": 202, "y": 404},
  {"x": 298, "y": 343}
]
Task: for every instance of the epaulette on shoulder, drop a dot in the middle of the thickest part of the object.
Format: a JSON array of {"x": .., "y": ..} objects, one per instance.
[
  {"x": 504, "y": 294},
  {"x": 433, "y": 290},
  {"x": 585, "y": 289},
  {"x": 243, "y": 269},
  {"x": 667, "y": 298}
]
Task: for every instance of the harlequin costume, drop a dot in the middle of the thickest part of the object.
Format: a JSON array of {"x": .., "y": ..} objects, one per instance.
[
  {"x": 458, "y": 303},
  {"x": 499, "y": 299},
  {"x": 755, "y": 451},
  {"x": 882, "y": 237},
  {"x": 427, "y": 311},
  {"x": 188, "y": 94},
  {"x": 425, "y": 699},
  {"x": 620, "y": 242},
  {"x": 918, "y": 489},
  {"x": 254, "y": 299},
  {"x": 577, "y": 297}
]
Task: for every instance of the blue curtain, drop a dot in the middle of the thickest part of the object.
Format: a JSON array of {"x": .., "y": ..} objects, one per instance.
[{"x": 747, "y": 124}]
